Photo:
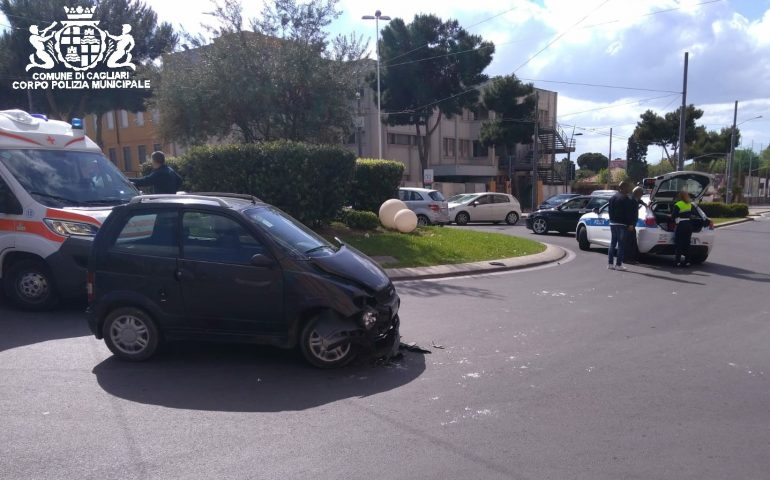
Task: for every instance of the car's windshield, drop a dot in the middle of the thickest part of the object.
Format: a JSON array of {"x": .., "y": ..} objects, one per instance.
[
  {"x": 58, "y": 178},
  {"x": 288, "y": 232},
  {"x": 457, "y": 198}
]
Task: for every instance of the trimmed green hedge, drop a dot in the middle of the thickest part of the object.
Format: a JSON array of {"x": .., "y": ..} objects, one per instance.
[
  {"x": 375, "y": 181},
  {"x": 724, "y": 210},
  {"x": 360, "y": 220},
  {"x": 310, "y": 182}
]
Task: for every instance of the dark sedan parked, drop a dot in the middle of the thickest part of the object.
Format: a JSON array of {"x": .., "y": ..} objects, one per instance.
[
  {"x": 564, "y": 218},
  {"x": 555, "y": 200}
]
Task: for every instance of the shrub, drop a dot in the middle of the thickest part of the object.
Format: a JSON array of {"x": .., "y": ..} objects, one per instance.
[
  {"x": 375, "y": 181},
  {"x": 725, "y": 210},
  {"x": 360, "y": 220},
  {"x": 310, "y": 182}
]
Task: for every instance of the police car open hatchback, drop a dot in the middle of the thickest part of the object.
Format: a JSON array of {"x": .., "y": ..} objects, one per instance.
[{"x": 654, "y": 227}]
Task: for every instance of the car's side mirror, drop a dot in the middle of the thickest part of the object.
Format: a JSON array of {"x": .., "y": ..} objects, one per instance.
[
  {"x": 474, "y": 204},
  {"x": 262, "y": 261},
  {"x": 596, "y": 210}
]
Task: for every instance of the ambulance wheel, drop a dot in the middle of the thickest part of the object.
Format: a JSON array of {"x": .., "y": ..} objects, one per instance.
[
  {"x": 582, "y": 237},
  {"x": 29, "y": 284}
]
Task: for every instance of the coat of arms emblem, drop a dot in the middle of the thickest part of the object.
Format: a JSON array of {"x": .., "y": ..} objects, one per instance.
[{"x": 79, "y": 44}]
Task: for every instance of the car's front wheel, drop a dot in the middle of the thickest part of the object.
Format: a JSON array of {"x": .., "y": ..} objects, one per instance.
[
  {"x": 131, "y": 334},
  {"x": 512, "y": 218},
  {"x": 422, "y": 221},
  {"x": 29, "y": 284},
  {"x": 582, "y": 238},
  {"x": 313, "y": 345},
  {"x": 462, "y": 218},
  {"x": 540, "y": 226}
]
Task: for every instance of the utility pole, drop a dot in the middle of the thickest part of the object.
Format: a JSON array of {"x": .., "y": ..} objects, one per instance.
[
  {"x": 609, "y": 164},
  {"x": 683, "y": 115},
  {"x": 729, "y": 186},
  {"x": 377, "y": 17},
  {"x": 748, "y": 183},
  {"x": 535, "y": 152}
]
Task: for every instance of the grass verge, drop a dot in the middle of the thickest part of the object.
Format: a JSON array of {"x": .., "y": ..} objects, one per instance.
[
  {"x": 435, "y": 245},
  {"x": 720, "y": 220}
]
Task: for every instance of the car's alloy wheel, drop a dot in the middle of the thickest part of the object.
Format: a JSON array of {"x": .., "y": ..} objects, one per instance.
[
  {"x": 582, "y": 238},
  {"x": 422, "y": 221},
  {"x": 462, "y": 218},
  {"x": 512, "y": 218},
  {"x": 540, "y": 226},
  {"x": 314, "y": 347},
  {"x": 30, "y": 285},
  {"x": 131, "y": 334}
]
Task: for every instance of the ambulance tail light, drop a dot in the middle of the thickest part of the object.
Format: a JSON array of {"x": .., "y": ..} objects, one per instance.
[
  {"x": 90, "y": 286},
  {"x": 67, "y": 229}
]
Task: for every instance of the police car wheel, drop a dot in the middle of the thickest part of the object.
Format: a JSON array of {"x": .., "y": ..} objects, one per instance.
[
  {"x": 582, "y": 237},
  {"x": 29, "y": 284}
]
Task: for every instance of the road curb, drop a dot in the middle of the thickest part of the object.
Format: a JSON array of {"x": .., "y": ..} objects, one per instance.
[
  {"x": 734, "y": 222},
  {"x": 551, "y": 254}
]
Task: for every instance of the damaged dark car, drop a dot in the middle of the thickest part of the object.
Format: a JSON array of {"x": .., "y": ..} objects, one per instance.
[{"x": 228, "y": 268}]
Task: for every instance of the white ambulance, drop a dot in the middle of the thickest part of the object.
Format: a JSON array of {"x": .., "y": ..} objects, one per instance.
[{"x": 56, "y": 188}]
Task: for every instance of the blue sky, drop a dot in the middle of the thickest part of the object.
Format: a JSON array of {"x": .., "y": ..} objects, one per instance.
[{"x": 624, "y": 43}]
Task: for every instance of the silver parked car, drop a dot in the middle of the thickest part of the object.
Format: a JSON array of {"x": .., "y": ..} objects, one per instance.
[
  {"x": 485, "y": 207},
  {"x": 430, "y": 206}
]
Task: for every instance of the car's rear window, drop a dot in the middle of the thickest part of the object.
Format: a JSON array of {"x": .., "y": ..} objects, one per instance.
[{"x": 436, "y": 196}]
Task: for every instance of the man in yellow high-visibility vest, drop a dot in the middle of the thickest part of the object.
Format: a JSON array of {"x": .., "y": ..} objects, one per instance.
[{"x": 682, "y": 215}]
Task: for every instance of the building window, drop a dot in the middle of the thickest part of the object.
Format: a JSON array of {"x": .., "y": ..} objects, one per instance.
[
  {"x": 123, "y": 119},
  {"x": 111, "y": 120},
  {"x": 127, "y": 164},
  {"x": 465, "y": 148},
  {"x": 449, "y": 147},
  {"x": 156, "y": 147},
  {"x": 478, "y": 149},
  {"x": 481, "y": 114},
  {"x": 399, "y": 139},
  {"x": 139, "y": 116},
  {"x": 142, "y": 150},
  {"x": 113, "y": 156}
]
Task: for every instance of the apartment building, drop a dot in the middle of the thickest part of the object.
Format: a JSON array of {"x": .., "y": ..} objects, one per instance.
[{"x": 129, "y": 138}]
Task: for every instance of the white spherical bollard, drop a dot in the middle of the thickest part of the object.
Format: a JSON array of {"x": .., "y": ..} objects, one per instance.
[
  {"x": 388, "y": 211},
  {"x": 405, "y": 220}
]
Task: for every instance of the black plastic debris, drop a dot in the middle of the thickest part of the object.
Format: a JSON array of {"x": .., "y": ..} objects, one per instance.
[{"x": 413, "y": 347}]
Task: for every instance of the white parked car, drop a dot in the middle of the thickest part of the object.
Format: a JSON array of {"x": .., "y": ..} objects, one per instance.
[
  {"x": 485, "y": 207},
  {"x": 654, "y": 227},
  {"x": 430, "y": 206}
]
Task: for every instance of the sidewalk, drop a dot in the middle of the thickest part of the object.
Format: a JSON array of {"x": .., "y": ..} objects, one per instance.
[{"x": 551, "y": 254}]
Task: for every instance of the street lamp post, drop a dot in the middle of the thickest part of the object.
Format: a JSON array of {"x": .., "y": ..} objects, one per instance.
[
  {"x": 377, "y": 17},
  {"x": 729, "y": 186},
  {"x": 569, "y": 162}
]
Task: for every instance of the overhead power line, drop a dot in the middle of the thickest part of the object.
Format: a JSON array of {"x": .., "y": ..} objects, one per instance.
[{"x": 635, "y": 102}]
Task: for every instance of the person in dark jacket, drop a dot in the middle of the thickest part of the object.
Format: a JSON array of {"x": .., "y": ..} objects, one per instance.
[
  {"x": 162, "y": 179},
  {"x": 631, "y": 254},
  {"x": 623, "y": 214},
  {"x": 681, "y": 214}
]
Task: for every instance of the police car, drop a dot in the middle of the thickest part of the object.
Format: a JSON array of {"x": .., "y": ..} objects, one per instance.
[
  {"x": 56, "y": 189},
  {"x": 655, "y": 227}
]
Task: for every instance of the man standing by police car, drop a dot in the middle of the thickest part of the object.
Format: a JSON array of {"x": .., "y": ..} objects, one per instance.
[
  {"x": 623, "y": 214},
  {"x": 163, "y": 178}
]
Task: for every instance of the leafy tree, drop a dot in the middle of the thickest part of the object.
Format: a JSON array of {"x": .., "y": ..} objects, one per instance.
[
  {"x": 604, "y": 176},
  {"x": 564, "y": 168},
  {"x": 661, "y": 168},
  {"x": 285, "y": 78},
  {"x": 151, "y": 40},
  {"x": 422, "y": 76},
  {"x": 636, "y": 158},
  {"x": 514, "y": 105},
  {"x": 592, "y": 161},
  {"x": 663, "y": 131}
]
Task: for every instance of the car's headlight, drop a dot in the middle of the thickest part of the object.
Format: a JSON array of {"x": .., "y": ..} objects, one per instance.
[
  {"x": 369, "y": 318},
  {"x": 66, "y": 229}
]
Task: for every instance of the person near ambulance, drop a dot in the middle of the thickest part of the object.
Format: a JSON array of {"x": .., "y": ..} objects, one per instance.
[
  {"x": 623, "y": 215},
  {"x": 163, "y": 179},
  {"x": 681, "y": 214}
]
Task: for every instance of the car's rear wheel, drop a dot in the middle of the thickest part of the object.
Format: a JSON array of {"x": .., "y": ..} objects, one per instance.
[
  {"x": 423, "y": 221},
  {"x": 131, "y": 334},
  {"x": 540, "y": 226},
  {"x": 29, "y": 284},
  {"x": 313, "y": 346},
  {"x": 698, "y": 259},
  {"x": 582, "y": 238},
  {"x": 512, "y": 218},
  {"x": 462, "y": 218}
]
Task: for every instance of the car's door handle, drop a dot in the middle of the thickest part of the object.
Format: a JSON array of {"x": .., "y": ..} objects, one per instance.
[{"x": 182, "y": 275}]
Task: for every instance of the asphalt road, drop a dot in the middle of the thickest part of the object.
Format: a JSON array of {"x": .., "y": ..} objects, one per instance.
[{"x": 565, "y": 372}]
